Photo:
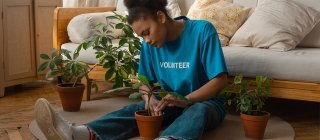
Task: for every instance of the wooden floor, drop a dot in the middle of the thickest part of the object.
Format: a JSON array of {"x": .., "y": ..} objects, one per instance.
[{"x": 16, "y": 111}]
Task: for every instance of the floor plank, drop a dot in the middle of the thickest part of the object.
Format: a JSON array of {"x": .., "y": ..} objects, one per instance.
[
  {"x": 26, "y": 134},
  {"x": 4, "y": 135},
  {"x": 14, "y": 135}
]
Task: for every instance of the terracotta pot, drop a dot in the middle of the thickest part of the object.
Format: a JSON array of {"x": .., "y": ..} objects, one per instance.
[
  {"x": 70, "y": 97},
  {"x": 149, "y": 126},
  {"x": 255, "y": 126}
]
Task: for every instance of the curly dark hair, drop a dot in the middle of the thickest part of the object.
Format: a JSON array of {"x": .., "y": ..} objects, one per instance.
[{"x": 139, "y": 9}]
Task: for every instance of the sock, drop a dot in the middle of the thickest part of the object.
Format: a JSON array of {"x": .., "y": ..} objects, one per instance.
[{"x": 83, "y": 132}]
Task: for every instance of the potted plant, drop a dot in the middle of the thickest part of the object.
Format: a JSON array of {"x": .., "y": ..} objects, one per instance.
[
  {"x": 249, "y": 96},
  {"x": 120, "y": 60},
  {"x": 69, "y": 72},
  {"x": 149, "y": 126}
]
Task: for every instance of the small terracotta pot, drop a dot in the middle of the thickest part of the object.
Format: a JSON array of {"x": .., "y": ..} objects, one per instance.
[
  {"x": 70, "y": 97},
  {"x": 149, "y": 126},
  {"x": 255, "y": 126}
]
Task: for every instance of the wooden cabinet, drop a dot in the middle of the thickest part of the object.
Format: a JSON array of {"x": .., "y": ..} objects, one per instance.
[
  {"x": 18, "y": 37},
  {"x": 26, "y": 31}
]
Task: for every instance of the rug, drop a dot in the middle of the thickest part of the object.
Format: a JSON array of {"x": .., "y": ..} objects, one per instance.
[{"x": 230, "y": 129}]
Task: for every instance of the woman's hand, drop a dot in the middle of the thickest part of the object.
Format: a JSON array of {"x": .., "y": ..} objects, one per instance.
[
  {"x": 153, "y": 103},
  {"x": 170, "y": 101}
]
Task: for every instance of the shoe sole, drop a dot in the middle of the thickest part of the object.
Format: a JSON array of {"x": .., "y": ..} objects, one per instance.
[{"x": 45, "y": 120}]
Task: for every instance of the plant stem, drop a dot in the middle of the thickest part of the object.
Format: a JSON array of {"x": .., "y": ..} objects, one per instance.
[
  {"x": 149, "y": 111},
  {"x": 74, "y": 83}
]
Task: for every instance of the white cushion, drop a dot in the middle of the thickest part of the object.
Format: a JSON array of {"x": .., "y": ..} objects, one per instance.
[
  {"x": 87, "y": 56},
  {"x": 312, "y": 39},
  {"x": 185, "y": 6},
  {"x": 173, "y": 8},
  {"x": 276, "y": 24},
  {"x": 82, "y": 26},
  {"x": 246, "y": 3},
  {"x": 300, "y": 64},
  {"x": 224, "y": 15}
]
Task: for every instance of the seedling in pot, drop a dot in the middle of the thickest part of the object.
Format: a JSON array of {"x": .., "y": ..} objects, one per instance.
[{"x": 154, "y": 89}]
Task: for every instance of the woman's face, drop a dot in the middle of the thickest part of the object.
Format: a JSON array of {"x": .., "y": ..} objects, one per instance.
[{"x": 153, "y": 31}]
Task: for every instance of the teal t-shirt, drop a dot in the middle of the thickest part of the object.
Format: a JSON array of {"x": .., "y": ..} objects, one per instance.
[{"x": 187, "y": 63}]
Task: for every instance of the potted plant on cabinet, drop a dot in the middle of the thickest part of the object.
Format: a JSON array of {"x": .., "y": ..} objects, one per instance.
[
  {"x": 249, "y": 96},
  {"x": 121, "y": 58},
  {"x": 149, "y": 126},
  {"x": 69, "y": 72}
]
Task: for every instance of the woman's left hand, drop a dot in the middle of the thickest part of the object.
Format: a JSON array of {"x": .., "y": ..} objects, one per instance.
[{"x": 170, "y": 101}]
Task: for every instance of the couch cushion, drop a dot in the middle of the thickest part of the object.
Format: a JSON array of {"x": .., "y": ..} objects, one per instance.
[
  {"x": 185, "y": 6},
  {"x": 173, "y": 8},
  {"x": 300, "y": 64},
  {"x": 87, "y": 56},
  {"x": 225, "y": 16},
  {"x": 313, "y": 38},
  {"x": 274, "y": 25},
  {"x": 82, "y": 26},
  {"x": 246, "y": 3}
]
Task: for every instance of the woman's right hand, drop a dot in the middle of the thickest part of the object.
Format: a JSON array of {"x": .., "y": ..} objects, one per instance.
[{"x": 153, "y": 103}]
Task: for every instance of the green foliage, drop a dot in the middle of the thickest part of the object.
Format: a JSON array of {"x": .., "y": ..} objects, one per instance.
[
  {"x": 119, "y": 62},
  {"x": 68, "y": 68},
  {"x": 247, "y": 95}
]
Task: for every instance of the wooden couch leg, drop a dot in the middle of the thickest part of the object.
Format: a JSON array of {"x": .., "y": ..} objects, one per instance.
[
  {"x": 87, "y": 90},
  {"x": 2, "y": 89}
]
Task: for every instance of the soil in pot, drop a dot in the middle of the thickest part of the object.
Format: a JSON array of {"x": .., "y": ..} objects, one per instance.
[
  {"x": 149, "y": 126},
  {"x": 70, "y": 97}
]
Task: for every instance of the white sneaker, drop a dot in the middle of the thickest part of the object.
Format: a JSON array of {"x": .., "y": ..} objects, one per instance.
[{"x": 53, "y": 126}]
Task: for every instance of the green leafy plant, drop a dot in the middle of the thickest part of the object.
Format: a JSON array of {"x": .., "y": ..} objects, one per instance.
[
  {"x": 248, "y": 95},
  {"x": 120, "y": 60},
  {"x": 152, "y": 90},
  {"x": 64, "y": 66}
]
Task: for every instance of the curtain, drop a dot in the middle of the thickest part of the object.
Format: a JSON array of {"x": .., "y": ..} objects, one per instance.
[{"x": 89, "y": 3}]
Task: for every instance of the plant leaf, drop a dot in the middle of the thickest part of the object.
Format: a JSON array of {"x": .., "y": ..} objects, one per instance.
[
  {"x": 51, "y": 73},
  {"x": 135, "y": 95},
  {"x": 52, "y": 65},
  {"x": 119, "y": 26},
  {"x": 123, "y": 41},
  {"x": 109, "y": 74},
  {"x": 136, "y": 85},
  {"x": 120, "y": 55},
  {"x": 53, "y": 53},
  {"x": 118, "y": 90},
  {"x": 66, "y": 53},
  {"x": 162, "y": 93},
  {"x": 43, "y": 66},
  {"x": 144, "y": 79},
  {"x": 44, "y": 56}
]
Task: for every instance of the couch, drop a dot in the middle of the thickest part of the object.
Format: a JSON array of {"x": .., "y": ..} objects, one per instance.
[{"x": 296, "y": 73}]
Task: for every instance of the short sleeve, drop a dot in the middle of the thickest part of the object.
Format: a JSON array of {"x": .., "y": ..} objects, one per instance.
[
  {"x": 145, "y": 63},
  {"x": 212, "y": 57}
]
